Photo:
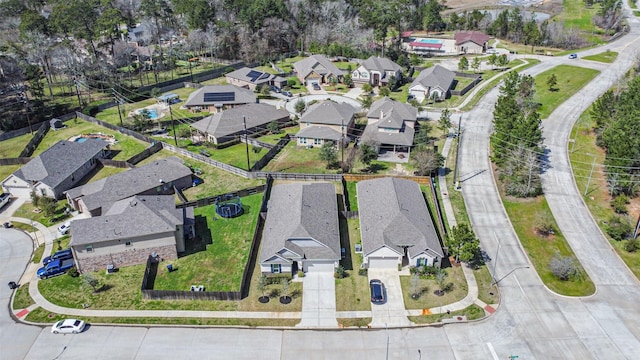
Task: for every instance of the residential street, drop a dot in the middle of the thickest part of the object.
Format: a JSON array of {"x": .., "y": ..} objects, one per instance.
[{"x": 531, "y": 321}]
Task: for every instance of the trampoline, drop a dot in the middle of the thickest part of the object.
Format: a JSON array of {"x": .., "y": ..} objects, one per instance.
[{"x": 228, "y": 206}]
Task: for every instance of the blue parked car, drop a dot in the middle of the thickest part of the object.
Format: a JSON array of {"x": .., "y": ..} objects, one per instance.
[{"x": 62, "y": 255}]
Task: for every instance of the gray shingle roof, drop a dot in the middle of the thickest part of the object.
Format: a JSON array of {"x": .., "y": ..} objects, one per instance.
[
  {"x": 317, "y": 63},
  {"x": 329, "y": 113},
  {"x": 393, "y": 213},
  {"x": 104, "y": 192},
  {"x": 433, "y": 77},
  {"x": 60, "y": 161},
  {"x": 302, "y": 211},
  {"x": 319, "y": 132},
  {"x": 380, "y": 64},
  {"x": 242, "y": 96},
  {"x": 257, "y": 77},
  {"x": 230, "y": 121},
  {"x": 391, "y": 114},
  {"x": 129, "y": 218}
]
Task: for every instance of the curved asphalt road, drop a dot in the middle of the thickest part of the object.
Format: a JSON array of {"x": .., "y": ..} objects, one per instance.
[{"x": 531, "y": 322}]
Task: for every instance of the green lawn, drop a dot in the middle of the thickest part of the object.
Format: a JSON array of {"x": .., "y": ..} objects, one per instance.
[
  {"x": 486, "y": 291},
  {"x": 40, "y": 315},
  {"x": 37, "y": 254},
  {"x": 22, "y": 299},
  {"x": 216, "y": 181},
  {"x": 427, "y": 298},
  {"x": 299, "y": 159},
  {"x": 353, "y": 195},
  {"x": 11, "y": 148},
  {"x": 605, "y": 57},
  {"x": 274, "y": 138},
  {"x": 352, "y": 292},
  {"x": 124, "y": 148},
  {"x": 236, "y": 155},
  {"x": 27, "y": 211},
  {"x": 61, "y": 244},
  {"x": 345, "y": 65},
  {"x": 7, "y": 170},
  {"x": 570, "y": 79},
  {"x": 472, "y": 312},
  {"x": 219, "y": 254},
  {"x": 526, "y": 215},
  {"x": 576, "y": 15},
  {"x": 597, "y": 198}
]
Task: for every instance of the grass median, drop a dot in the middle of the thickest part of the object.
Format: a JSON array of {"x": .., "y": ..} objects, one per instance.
[{"x": 569, "y": 79}]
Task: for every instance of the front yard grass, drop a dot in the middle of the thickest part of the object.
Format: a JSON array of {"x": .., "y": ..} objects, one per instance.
[
  {"x": 352, "y": 291},
  {"x": 427, "y": 298},
  {"x": 22, "y": 299},
  {"x": 40, "y": 315},
  {"x": 216, "y": 181},
  {"x": 354, "y": 322},
  {"x": 570, "y": 79},
  {"x": 526, "y": 215},
  {"x": 61, "y": 243},
  {"x": 7, "y": 170},
  {"x": 472, "y": 312},
  {"x": 217, "y": 257},
  {"x": 604, "y": 57},
  {"x": 37, "y": 254},
  {"x": 26, "y": 211}
]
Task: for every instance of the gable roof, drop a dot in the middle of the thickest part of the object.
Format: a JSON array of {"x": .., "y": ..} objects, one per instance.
[
  {"x": 403, "y": 138},
  {"x": 473, "y": 36},
  {"x": 250, "y": 75},
  {"x": 329, "y": 113},
  {"x": 387, "y": 105},
  {"x": 436, "y": 76},
  {"x": 316, "y": 63},
  {"x": 128, "y": 218},
  {"x": 299, "y": 212},
  {"x": 393, "y": 213},
  {"x": 230, "y": 121},
  {"x": 380, "y": 64},
  {"x": 319, "y": 132},
  {"x": 104, "y": 192},
  {"x": 219, "y": 95},
  {"x": 60, "y": 161}
]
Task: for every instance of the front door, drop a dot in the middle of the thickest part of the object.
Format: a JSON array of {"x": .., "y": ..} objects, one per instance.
[{"x": 376, "y": 79}]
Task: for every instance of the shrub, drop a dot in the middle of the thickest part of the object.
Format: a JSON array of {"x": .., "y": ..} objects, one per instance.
[
  {"x": 340, "y": 272},
  {"x": 300, "y": 273},
  {"x": 563, "y": 267},
  {"x": 73, "y": 272},
  {"x": 632, "y": 245},
  {"x": 363, "y": 272},
  {"x": 619, "y": 227},
  {"x": 619, "y": 204}
]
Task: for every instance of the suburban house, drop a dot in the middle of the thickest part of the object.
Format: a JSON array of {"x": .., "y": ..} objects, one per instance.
[
  {"x": 229, "y": 124},
  {"x": 317, "y": 69},
  {"x": 214, "y": 98},
  {"x": 157, "y": 178},
  {"x": 434, "y": 82},
  {"x": 57, "y": 169},
  {"x": 471, "y": 42},
  {"x": 142, "y": 54},
  {"x": 376, "y": 71},
  {"x": 130, "y": 230},
  {"x": 395, "y": 225},
  {"x": 392, "y": 125},
  {"x": 251, "y": 78},
  {"x": 326, "y": 121},
  {"x": 301, "y": 231}
]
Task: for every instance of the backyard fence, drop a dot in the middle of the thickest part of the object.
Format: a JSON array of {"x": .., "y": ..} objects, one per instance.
[
  {"x": 466, "y": 89},
  {"x": 271, "y": 153},
  {"x": 116, "y": 163},
  {"x": 423, "y": 180},
  {"x": 14, "y": 161},
  {"x": 150, "y": 271},
  {"x": 206, "y": 160},
  {"x": 350, "y": 214},
  {"x": 35, "y": 140},
  {"x": 212, "y": 199},
  {"x": 119, "y": 129},
  {"x": 190, "y": 295},
  {"x": 295, "y": 176},
  {"x": 439, "y": 218},
  {"x": 145, "y": 153},
  {"x": 345, "y": 195}
]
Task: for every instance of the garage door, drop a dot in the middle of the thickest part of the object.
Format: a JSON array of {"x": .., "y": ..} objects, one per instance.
[
  {"x": 383, "y": 263},
  {"x": 318, "y": 266},
  {"x": 21, "y": 192},
  {"x": 313, "y": 81}
]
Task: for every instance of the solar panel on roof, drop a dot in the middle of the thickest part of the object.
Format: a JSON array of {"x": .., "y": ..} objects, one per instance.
[
  {"x": 264, "y": 76},
  {"x": 219, "y": 96},
  {"x": 253, "y": 75}
]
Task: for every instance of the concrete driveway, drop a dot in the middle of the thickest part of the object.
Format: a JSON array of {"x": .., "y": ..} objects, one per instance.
[
  {"x": 392, "y": 312},
  {"x": 318, "y": 300}
]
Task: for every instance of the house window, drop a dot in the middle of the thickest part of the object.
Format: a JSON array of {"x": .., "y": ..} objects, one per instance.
[
  {"x": 89, "y": 248},
  {"x": 355, "y": 74},
  {"x": 421, "y": 262},
  {"x": 43, "y": 191},
  {"x": 303, "y": 140},
  {"x": 317, "y": 141},
  {"x": 128, "y": 243},
  {"x": 276, "y": 269},
  {"x": 364, "y": 75}
]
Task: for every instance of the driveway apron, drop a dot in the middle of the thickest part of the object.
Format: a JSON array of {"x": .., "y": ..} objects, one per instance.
[
  {"x": 319, "y": 300},
  {"x": 392, "y": 312}
]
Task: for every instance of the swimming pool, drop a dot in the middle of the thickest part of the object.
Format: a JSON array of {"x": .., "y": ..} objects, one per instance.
[
  {"x": 430, "y": 41},
  {"x": 153, "y": 113},
  {"x": 80, "y": 139}
]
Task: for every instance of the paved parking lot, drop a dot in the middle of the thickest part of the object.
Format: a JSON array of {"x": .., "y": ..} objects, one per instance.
[{"x": 392, "y": 312}]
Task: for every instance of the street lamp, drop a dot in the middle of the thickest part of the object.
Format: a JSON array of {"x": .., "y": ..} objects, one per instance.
[{"x": 509, "y": 273}]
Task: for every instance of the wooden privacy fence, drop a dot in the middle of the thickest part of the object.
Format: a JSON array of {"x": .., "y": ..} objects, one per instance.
[
  {"x": 36, "y": 139},
  {"x": 206, "y": 160},
  {"x": 273, "y": 151},
  {"x": 116, "y": 163},
  {"x": 145, "y": 153},
  {"x": 423, "y": 180},
  {"x": 14, "y": 161},
  {"x": 211, "y": 199}
]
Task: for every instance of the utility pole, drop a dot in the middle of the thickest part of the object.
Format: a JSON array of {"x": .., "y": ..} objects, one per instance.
[
  {"x": 590, "y": 174},
  {"x": 118, "y": 103},
  {"x": 78, "y": 93},
  {"x": 246, "y": 140},
  {"x": 455, "y": 171},
  {"x": 25, "y": 101},
  {"x": 173, "y": 125}
]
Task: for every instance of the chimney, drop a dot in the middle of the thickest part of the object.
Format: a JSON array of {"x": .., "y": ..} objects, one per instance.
[{"x": 381, "y": 114}]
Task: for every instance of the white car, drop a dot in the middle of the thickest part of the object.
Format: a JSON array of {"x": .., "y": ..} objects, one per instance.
[
  {"x": 64, "y": 228},
  {"x": 68, "y": 326}
]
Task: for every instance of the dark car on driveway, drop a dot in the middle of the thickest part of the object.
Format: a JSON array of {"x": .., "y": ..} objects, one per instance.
[
  {"x": 316, "y": 86},
  {"x": 377, "y": 291}
]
